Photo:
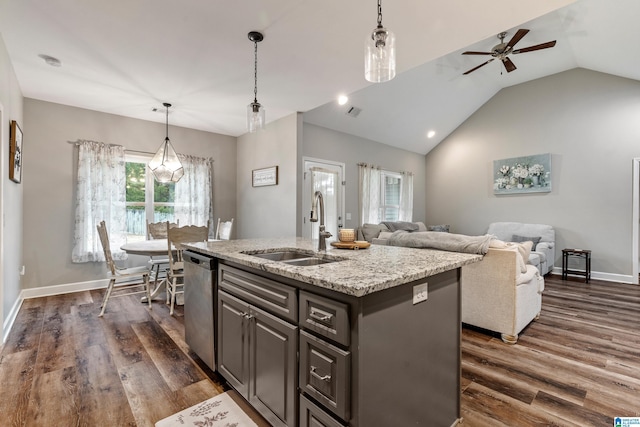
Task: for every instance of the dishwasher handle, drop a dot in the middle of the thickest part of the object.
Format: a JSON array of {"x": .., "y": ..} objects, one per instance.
[{"x": 202, "y": 261}]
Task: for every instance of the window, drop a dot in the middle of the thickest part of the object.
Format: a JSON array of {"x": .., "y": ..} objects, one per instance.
[
  {"x": 384, "y": 195},
  {"x": 390, "y": 191},
  {"x": 146, "y": 199}
]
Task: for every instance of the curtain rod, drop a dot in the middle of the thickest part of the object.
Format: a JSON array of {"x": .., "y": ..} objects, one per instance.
[{"x": 211, "y": 159}]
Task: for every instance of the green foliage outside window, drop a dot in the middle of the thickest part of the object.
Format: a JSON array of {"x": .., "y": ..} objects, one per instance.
[{"x": 162, "y": 192}]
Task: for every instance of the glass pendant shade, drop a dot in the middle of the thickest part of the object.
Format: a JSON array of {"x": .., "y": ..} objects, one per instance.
[
  {"x": 380, "y": 56},
  {"x": 165, "y": 165},
  {"x": 255, "y": 117}
]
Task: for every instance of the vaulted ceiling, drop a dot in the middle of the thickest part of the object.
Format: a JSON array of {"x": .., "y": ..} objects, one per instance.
[{"x": 127, "y": 58}]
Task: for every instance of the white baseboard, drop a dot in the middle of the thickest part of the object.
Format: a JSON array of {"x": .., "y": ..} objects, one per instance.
[
  {"x": 8, "y": 323},
  {"x": 598, "y": 275}
]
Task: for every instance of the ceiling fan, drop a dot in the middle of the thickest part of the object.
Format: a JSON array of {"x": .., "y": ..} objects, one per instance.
[{"x": 502, "y": 51}]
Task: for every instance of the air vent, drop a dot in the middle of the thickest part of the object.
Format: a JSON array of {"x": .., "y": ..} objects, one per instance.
[{"x": 353, "y": 111}]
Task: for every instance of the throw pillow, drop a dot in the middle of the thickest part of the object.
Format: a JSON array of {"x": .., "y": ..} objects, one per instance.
[
  {"x": 371, "y": 231},
  {"x": 519, "y": 239},
  {"x": 444, "y": 228}
]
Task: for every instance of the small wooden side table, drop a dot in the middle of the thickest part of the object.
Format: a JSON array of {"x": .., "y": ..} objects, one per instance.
[{"x": 579, "y": 253}]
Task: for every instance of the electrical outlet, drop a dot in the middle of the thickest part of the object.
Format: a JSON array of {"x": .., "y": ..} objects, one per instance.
[{"x": 420, "y": 293}]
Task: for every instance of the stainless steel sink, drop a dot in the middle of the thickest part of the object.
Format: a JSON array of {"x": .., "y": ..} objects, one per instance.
[
  {"x": 281, "y": 255},
  {"x": 294, "y": 257},
  {"x": 310, "y": 261}
]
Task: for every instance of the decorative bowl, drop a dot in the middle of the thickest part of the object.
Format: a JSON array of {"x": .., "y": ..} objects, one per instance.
[{"x": 346, "y": 235}]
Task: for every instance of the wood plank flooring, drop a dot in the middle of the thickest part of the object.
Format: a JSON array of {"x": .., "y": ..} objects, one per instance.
[{"x": 579, "y": 365}]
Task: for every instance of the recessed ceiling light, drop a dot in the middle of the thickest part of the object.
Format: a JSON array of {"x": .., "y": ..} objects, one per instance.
[
  {"x": 343, "y": 99},
  {"x": 431, "y": 134},
  {"x": 54, "y": 62}
]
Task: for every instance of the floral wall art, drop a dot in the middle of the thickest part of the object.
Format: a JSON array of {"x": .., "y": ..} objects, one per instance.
[{"x": 528, "y": 174}]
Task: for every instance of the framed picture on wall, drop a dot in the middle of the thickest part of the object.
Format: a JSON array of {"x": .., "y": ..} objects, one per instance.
[
  {"x": 526, "y": 174},
  {"x": 15, "y": 152},
  {"x": 265, "y": 176}
]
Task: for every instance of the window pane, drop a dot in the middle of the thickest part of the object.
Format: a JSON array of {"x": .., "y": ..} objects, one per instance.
[
  {"x": 136, "y": 219},
  {"x": 391, "y": 214},
  {"x": 392, "y": 190},
  {"x": 164, "y": 197}
]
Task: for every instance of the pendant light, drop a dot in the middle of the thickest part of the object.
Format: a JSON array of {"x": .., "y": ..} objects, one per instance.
[
  {"x": 380, "y": 53},
  {"x": 165, "y": 165},
  {"x": 255, "y": 111}
]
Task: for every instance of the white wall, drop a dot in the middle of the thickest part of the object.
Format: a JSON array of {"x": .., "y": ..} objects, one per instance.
[
  {"x": 11, "y": 194},
  {"x": 49, "y": 179},
  {"x": 269, "y": 211},
  {"x": 589, "y": 122},
  {"x": 327, "y": 144}
]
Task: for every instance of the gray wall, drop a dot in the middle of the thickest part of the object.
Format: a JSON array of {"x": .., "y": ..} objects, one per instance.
[
  {"x": 269, "y": 211},
  {"x": 11, "y": 194},
  {"x": 49, "y": 179},
  {"x": 589, "y": 123},
  {"x": 327, "y": 144}
]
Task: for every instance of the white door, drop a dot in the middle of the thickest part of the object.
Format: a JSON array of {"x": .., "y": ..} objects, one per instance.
[{"x": 328, "y": 178}]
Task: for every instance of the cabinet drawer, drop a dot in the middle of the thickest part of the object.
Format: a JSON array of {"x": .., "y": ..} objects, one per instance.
[
  {"x": 274, "y": 297},
  {"x": 325, "y": 374},
  {"x": 325, "y": 317},
  {"x": 312, "y": 416}
]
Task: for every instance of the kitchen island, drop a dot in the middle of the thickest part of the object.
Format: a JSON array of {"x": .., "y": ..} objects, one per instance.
[{"x": 371, "y": 338}]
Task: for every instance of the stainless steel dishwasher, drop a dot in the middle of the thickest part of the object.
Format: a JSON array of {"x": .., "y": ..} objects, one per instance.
[{"x": 200, "y": 304}]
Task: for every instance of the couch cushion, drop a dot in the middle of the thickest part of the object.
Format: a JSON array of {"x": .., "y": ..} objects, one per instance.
[
  {"x": 372, "y": 231},
  {"x": 519, "y": 239},
  {"x": 534, "y": 259}
]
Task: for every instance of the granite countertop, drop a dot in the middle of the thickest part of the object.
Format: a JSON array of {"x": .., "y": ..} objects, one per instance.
[{"x": 360, "y": 272}]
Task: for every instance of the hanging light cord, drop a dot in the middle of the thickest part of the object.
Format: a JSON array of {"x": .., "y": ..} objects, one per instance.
[
  {"x": 167, "y": 124},
  {"x": 379, "y": 13},
  {"x": 255, "y": 72}
]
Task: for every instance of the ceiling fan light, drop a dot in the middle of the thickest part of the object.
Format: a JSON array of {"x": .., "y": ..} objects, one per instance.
[{"x": 380, "y": 56}]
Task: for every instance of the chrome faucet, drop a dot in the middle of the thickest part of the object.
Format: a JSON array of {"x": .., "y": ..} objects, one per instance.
[{"x": 322, "y": 235}]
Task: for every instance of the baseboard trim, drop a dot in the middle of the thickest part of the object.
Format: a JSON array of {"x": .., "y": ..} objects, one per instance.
[
  {"x": 11, "y": 318},
  {"x": 598, "y": 275},
  {"x": 68, "y": 288}
]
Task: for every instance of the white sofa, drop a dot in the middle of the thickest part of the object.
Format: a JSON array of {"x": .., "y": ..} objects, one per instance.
[
  {"x": 543, "y": 255},
  {"x": 501, "y": 293}
]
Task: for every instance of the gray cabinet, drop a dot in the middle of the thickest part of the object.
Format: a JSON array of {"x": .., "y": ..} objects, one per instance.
[
  {"x": 311, "y": 357},
  {"x": 257, "y": 350}
]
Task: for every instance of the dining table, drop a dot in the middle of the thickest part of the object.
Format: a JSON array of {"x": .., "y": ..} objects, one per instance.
[{"x": 151, "y": 248}]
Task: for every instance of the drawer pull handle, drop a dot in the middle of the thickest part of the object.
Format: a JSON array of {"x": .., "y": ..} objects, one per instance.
[
  {"x": 320, "y": 315},
  {"x": 248, "y": 316},
  {"x": 326, "y": 378}
]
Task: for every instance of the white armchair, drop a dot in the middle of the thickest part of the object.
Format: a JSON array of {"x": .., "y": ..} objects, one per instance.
[
  {"x": 543, "y": 255},
  {"x": 501, "y": 293}
]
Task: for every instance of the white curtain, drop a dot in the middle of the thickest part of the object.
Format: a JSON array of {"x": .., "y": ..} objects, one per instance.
[
  {"x": 369, "y": 193},
  {"x": 193, "y": 192},
  {"x": 406, "y": 197},
  {"x": 100, "y": 195}
]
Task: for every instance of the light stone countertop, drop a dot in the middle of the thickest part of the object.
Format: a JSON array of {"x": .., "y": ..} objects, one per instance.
[{"x": 360, "y": 272}]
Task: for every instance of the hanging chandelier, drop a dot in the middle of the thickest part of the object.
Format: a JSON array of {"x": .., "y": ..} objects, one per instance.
[
  {"x": 255, "y": 111},
  {"x": 380, "y": 53},
  {"x": 165, "y": 165}
]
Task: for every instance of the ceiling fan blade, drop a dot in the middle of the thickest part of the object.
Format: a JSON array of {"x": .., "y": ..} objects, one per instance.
[
  {"x": 510, "y": 66},
  {"x": 475, "y": 68},
  {"x": 516, "y": 38},
  {"x": 536, "y": 47},
  {"x": 471, "y": 52}
]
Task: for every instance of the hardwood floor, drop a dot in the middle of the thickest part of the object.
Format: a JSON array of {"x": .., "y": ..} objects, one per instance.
[{"x": 578, "y": 365}]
